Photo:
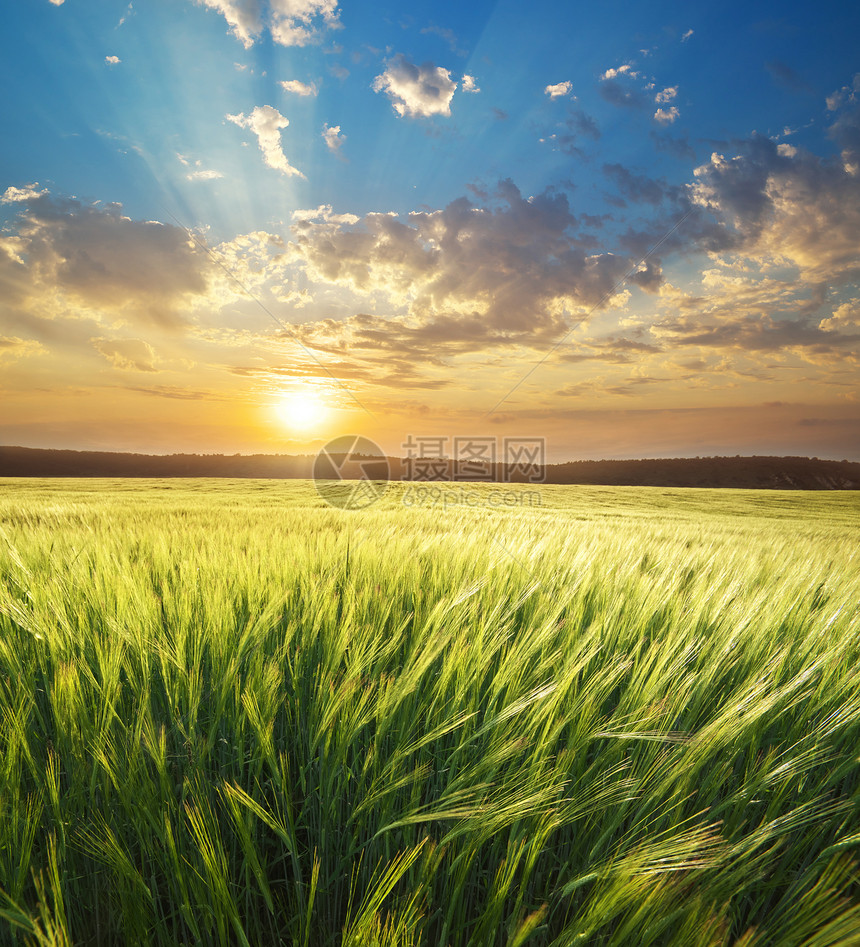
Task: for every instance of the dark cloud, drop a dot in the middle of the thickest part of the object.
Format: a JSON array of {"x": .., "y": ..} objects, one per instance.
[
  {"x": 615, "y": 351},
  {"x": 577, "y": 126},
  {"x": 783, "y": 75},
  {"x": 638, "y": 188},
  {"x": 101, "y": 259},
  {"x": 782, "y": 203},
  {"x": 175, "y": 393},
  {"x": 760, "y": 335},
  {"x": 677, "y": 147},
  {"x": 513, "y": 266},
  {"x": 622, "y": 94},
  {"x": 845, "y": 131}
]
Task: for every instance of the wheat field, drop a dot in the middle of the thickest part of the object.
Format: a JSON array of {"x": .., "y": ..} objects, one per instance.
[{"x": 232, "y": 714}]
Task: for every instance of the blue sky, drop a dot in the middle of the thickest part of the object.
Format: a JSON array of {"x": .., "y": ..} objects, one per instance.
[{"x": 225, "y": 218}]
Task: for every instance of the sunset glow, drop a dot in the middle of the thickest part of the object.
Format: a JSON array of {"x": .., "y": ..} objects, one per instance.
[
  {"x": 301, "y": 412},
  {"x": 483, "y": 219}
]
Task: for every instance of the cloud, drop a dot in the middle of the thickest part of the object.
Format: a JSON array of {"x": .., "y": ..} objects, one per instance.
[
  {"x": 636, "y": 187},
  {"x": 677, "y": 147},
  {"x": 845, "y": 130},
  {"x": 129, "y": 12},
  {"x": 204, "y": 175},
  {"x": 324, "y": 214},
  {"x": 416, "y": 90},
  {"x": 174, "y": 392},
  {"x": 790, "y": 209},
  {"x": 470, "y": 84},
  {"x": 466, "y": 275},
  {"x": 299, "y": 88},
  {"x": 624, "y": 87},
  {"x": 615, "y": 93},
  {"x": 686, "y": 36},
  {"x": 13, "y": 348},
  {"x": 266, "y": 123},
  {"x": 244, "y": 17},
  {"x": 762, "y": 334},
  {"x": 300, "y": 22},
  {"x": 200, "y": 173},
  {"x": 17, "y": 195},
  {"x": 577, "y": 125},
  {"x": 845, "y": 95},
  {"x": 614, "y": 73},
  {"x": 57, "y": 3},
  {"x": 449, "y": 36},
  {"x": 289, "y": 22},
  {"x": 667, "y": 116},
  {"x": 67, "y": 258},
  {"x": 112, "y": 60},
  {"x": 559, "y": 89},
  {"x": 846, "y": 316},
  {"x": 127, "y": 354},
  {"x": 333, "y": 138},
  {"x": 783, "y": 75}
]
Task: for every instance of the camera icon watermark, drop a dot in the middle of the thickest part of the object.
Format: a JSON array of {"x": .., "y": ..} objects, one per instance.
[{"x": 351, "y": 472}]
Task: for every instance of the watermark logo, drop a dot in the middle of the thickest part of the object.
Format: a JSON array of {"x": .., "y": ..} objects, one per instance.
[
  {"x": 351, "y": 472},
  {"x": 474, "y": 459}
]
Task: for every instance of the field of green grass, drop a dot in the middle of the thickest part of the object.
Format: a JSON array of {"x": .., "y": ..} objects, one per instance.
[{"x": 231, "y": 714}]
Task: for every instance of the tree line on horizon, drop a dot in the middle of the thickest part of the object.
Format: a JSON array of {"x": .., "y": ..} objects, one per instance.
[{"x": 750, "y": 472}]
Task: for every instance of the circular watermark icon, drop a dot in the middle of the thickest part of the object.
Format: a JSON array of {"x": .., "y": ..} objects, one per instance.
[{"x": 351, "y": 472}]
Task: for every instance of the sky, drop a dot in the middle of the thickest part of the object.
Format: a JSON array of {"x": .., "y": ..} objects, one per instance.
[{"x": 250, "y": 226}]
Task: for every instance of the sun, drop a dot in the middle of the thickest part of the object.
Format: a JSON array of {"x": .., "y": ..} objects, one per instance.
[{"x": 301, "y": 411}]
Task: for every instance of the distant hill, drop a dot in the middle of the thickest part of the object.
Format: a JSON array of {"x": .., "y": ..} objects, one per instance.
[{"x": 769, "y": 473}]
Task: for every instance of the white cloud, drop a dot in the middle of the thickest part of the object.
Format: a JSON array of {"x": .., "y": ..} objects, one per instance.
[
  {"x": 128, "y": 354},
  {"x": 294, "y": 22},
  {"x": 844, "y": 96},
  {"x": 200, "y": 173},
  {"x": 686, "y": 36},
  {"x": 416, "y": 90},
  {"x": 57, "y": 3},
  {"x": 204, "y": 175},
  {"x": 559, "y": 89},
  {"x": 667, "y": 95},
  {"x": 846, "y": 316},
  {"x": 266, "y": 123},
  {"x": 299, "y": 88},
  {"x": 243, "y": 16},
  {"x": 625, "y": 70},
  {"x": 290, "y": 22},
  {"x": 112, "y": 60},
  {"x": 667, "y": 116},
  {"x": 15, "y": 195},
  {"x": 470, "y": 84},
  {"x": 324, "y": 214},
  {"x": 333, "y": 138}
]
